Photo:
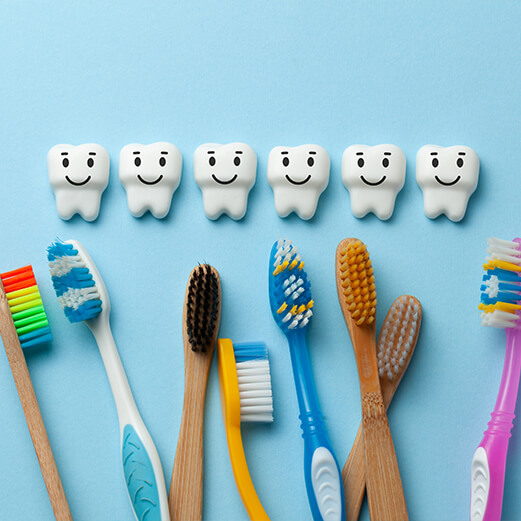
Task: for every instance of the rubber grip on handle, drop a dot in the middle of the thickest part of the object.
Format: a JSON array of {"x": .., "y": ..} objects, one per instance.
[
  {"x": 139, "y": 477},
  {"x": 325, "y": 479}
]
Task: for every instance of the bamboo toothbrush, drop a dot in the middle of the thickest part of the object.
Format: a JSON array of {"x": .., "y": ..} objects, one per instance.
[
  {"x": 84, "y": 298},
  {"x": 201, "y": 318},
  {"x": 357, "y": 297},
  {"x": 395, "y": 348},
  {"x": 23, "y": 323}
]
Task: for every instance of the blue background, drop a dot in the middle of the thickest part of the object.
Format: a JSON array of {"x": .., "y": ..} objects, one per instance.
[{"x": 265, "y": 73}]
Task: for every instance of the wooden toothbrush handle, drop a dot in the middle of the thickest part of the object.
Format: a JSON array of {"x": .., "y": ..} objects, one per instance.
[
  {"x": 384, "y": 485},
  {"x": 32, "y": 412},
  {"x": 353, "y": 476}
]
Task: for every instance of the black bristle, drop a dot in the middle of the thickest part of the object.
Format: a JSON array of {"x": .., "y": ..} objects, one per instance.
[{"x": 202, "y": 305}]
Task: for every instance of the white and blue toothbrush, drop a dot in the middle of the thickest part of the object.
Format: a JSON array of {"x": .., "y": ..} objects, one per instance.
[
  {"x": 291, "y": 307},
  {"x": 84, "y": 298}
]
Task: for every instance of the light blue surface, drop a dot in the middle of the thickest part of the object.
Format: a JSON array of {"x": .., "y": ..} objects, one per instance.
[{"x": 266, "y": 73}]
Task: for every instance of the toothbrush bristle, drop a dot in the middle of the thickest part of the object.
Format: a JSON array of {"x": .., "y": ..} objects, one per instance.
[
  {"x": 356, "y": 273},
  {"x": 290, "y": 290},
  {"x": 73, "y": 283},
  {"x": 202, "y": 302},
  {"x": 253, "y": 373},
  {"x": 397, "y": 337},
  {"x": 501, "y": 288},
  {"x": 26, "y": 306}
]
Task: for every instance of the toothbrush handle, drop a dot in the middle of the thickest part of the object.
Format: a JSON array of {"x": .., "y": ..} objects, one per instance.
[
  {"x": 321, "y": 471},
  {"x": 489, "y": 462},
  {"x": 144, "y": 476}
]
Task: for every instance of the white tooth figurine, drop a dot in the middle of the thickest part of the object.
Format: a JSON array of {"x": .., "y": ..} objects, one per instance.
[
  {"x": 298, "y": 175},
  {"x": 373, "y": 176},
  {"x": 225, "y": 174},
  {"x": 78, "y": 176},
  {"x": 150, "y": 175},
  {"x": 448, "y": 177}
]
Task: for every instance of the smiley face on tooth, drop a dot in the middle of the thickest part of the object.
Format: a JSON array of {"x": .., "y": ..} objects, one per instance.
[
  {"x": 448, "y": 177},
  {"x": 373, "y": 176},
  {"x": 225, "y": 174},
  {"x": 150, "y": 175},
  {"x": 78, "y": 176},
  {"x": 298, "y": 176}
]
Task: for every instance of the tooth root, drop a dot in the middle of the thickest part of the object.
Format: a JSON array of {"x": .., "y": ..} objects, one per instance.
[
  {"x": 78, "y": 176},
  {"x": 306, "y": 164},
  {"x": 225, "y": 174},
  {"x": 362, "y": 165},
  {"x": 458, "y": 165},
  {"x": 150, "y": 175}
]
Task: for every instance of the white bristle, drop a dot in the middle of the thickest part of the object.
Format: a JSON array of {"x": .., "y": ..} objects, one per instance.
[
  {"x": 499, "y": 249},
  {"x": 499, "y": 319},
  {"x": 255, "y": 390},
  {"x": 76, "y": 297},
  {"x": 63, "y": 265}
]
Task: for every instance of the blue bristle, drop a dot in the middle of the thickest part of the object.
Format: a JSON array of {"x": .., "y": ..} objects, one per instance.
[
  {"x": 507, "y": 292},
  {"x": 36, "y": 337},
  {"x": 77, "y": 278},
  {"x": 248, "y": 351}
]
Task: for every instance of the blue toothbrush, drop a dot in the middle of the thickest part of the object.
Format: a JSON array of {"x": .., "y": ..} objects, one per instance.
[
  {"x": 291, "y": 306},
  {"x": 84, "y": 298}
]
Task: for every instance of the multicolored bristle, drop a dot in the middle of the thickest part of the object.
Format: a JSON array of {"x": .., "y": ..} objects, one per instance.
[
  {"x": 397, "y": 336},
  {"x": 253, "y": 373},
  {"x": 73, "y": 283},
  {"x": 356, "y": 274},
  {"x": 26, "y": 306},
  {"x": 202, "y": 304},
  {"x": 501, "y": 288},
  {"x": 290, "y": 290}
]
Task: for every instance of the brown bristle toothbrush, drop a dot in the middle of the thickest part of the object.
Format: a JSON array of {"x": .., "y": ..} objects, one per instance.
[
  {"x": 201, "y": 318},
  {"x": 394, "y": 350},
  {"x": 357, "y": 297}
]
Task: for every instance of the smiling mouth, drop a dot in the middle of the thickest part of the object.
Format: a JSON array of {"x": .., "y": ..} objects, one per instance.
[
  {"x": 74, "y": 183},
  {"x": 298, "y": 183},
  {"x": 373, "y": 184},
  {"x": 217, "y": 180},
  {"x": 447, "y": 184},
  {"x": 150, "y": 183}
]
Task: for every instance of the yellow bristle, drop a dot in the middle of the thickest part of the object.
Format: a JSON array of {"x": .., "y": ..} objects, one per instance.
[{"x": 282, "y": 308}]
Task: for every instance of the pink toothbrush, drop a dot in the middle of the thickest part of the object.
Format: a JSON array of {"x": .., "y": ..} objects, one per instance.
[{"x": 500, "y": 297}]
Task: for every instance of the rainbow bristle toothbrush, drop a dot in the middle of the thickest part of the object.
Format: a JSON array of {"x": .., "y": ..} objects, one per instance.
[
  {"x": 23, "y": 324},
  {"x": 245, "y": 383},
  {"x": 84, "y": 298},
  {"x": 500, "y": 305},
  {"x": 291, "y": 307}
]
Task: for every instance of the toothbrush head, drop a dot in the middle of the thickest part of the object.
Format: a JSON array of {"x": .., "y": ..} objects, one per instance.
[
  {"x": 77, "y": 282},
  {"x": 26, "y": 306},
  {"x": 397, "y": 339},
  {"x": 501, "y": 288},
  {"x": 202, "y": 308},
  {"x": 355, "y": 283},
  {"x": 289, "y": 289}
]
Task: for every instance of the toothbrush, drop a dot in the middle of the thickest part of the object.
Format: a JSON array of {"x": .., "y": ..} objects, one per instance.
[
  {"x": 500, "y": 303},
  {"x": 395, "y": 348},
  {"x": 245, "y": 383},
  {"x": 84, "y": 298},
  {"x": 201, "y": 318},
  {"x": 23, "y": 324},
  {"x": 357, "y": 297},
  {"x": 291, "y": 307}
]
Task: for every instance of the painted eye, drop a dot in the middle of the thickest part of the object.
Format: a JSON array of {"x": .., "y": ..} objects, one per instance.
[
  {"x": 361, "y": 162},
  {"x": 65, "y": 162},
  {"x": 311, "y": 161},
  {"x": 285, "y": 161},
  {"x": 90, "y": 162},
  {"x": 236, "y": 160},
  {"x": 385, "y": 162},
  {"x": 211, "y": 161},
  {"x": 162, "y": 161},
  {"x": 459, "y": 162},
  {"x": 137, "y": 161},
  {"x": 435, "y": 162}
]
